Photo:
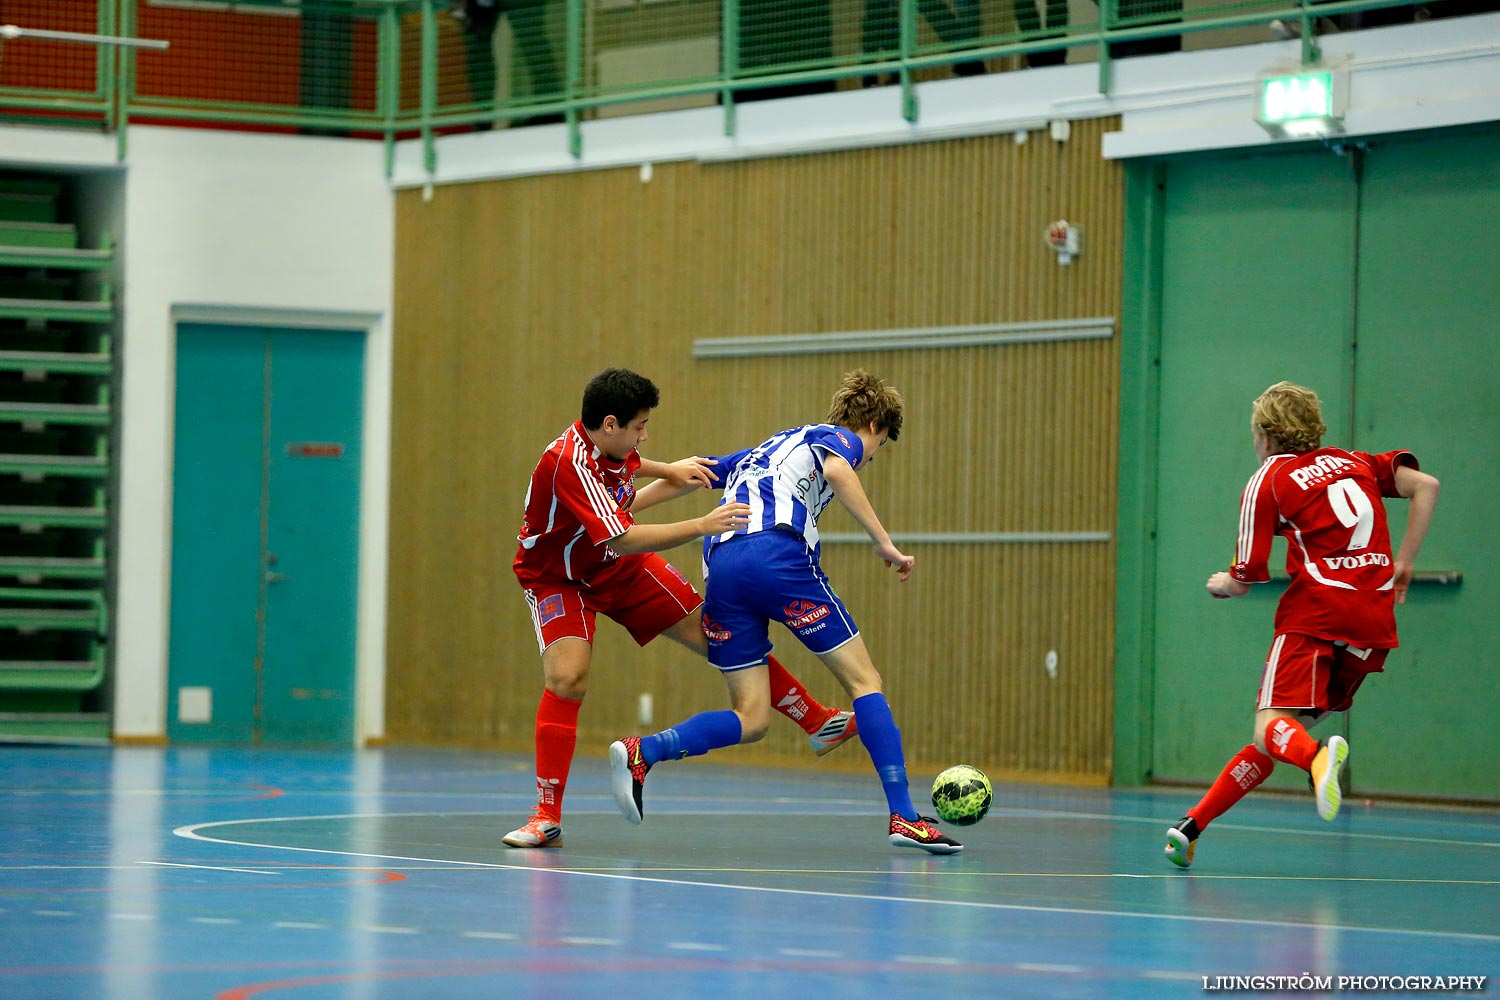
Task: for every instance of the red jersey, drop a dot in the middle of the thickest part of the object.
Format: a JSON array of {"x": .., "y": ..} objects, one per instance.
[
  {"x": 579, "y": 498},
  {"x": 1327, "y": 503}
]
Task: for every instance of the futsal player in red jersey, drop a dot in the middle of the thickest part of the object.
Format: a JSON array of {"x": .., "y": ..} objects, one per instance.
[
  {"x": 1336, "y": 622},
  {"x": 582, "y": 554}
]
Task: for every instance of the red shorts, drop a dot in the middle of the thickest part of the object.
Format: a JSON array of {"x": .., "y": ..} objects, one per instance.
[
  {"x": 1303, "y": 672},
  {"x": 642, "y": 591}
]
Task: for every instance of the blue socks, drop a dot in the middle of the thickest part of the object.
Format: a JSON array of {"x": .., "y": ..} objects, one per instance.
[
  {"x": 877, "y": 729},
  {"x": 693, "y": 737}
]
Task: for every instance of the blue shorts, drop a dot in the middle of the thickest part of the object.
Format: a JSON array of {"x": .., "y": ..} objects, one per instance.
[{"x": 755, "y": 579}]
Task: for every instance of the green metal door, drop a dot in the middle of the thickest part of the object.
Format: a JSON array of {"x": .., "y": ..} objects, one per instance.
[
  {"x": 265, "y": 535},
  {"x": 1428, "y": 377},
  {"x": 1256, "y": 276},
  {"x": 1369, "y": 277}
]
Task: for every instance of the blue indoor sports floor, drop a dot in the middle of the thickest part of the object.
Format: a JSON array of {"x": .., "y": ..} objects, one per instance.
[{"x": 155, "y": 874}]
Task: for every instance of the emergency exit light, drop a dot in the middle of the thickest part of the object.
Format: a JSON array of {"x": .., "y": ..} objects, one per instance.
[{"x": 1302, "y": 105}]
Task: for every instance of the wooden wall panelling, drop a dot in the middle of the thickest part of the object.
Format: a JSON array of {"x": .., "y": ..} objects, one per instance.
[{"x": 510, "y": 294}]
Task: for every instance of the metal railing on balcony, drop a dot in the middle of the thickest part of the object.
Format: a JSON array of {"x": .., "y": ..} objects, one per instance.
[{"x": 394, "y": 69}]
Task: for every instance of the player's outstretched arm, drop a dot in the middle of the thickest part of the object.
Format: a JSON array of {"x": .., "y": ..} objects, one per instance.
[
  {"x": 1422, "y": 490},
  {"x": 851, "y": 493},
  {"x": 659, "y": 537},
  {"x": 689, "y": 472},
  {"x": 672, "y": 480}
]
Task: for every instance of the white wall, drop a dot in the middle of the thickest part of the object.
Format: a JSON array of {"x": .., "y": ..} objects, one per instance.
[{"x": 241, "y": 226}]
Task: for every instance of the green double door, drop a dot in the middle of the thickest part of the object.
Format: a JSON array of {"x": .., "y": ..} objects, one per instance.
[
  {"x": 1374, "y": 283},
  {"x": 265, "y": 535}
]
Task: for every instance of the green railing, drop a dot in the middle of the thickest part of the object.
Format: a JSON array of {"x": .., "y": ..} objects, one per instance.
[{"x": 395, "y": 69}]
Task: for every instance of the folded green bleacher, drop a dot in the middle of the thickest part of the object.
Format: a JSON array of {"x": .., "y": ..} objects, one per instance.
[{"x": 57, "y": 370}]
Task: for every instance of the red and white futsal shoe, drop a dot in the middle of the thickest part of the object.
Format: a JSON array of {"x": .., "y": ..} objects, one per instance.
[{"x": 540, "y": 830}]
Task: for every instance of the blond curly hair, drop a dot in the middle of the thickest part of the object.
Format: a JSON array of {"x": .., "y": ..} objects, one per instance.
[
  {"x": 1290, "y": 416},
  {"x": 861, "y": 400}
]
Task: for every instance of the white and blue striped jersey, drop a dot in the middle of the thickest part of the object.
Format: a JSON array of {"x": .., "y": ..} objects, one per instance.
[{"x": 782, "y": 480}]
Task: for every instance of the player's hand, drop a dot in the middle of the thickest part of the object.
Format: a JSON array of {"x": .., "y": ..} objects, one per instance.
[
  {"x": 1224, "y": 586},
  {"x": 1401, "y": 580},
  {"x": 691, "y": 472},
  {"x": 725, "y": 517},
  {"x": 895, "y": 557}
]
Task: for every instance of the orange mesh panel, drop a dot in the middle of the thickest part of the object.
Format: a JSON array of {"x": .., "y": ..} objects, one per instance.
[
  {"x": 314, "y": 58},
  {"x": 46, "y": 64}
]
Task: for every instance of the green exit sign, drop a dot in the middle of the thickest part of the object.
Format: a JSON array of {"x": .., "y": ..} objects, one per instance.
[{"x": 1302, "y": 105}]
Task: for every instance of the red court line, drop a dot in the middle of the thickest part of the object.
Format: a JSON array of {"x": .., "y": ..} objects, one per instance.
[
  {"x": 23, "y": 972},
  {"x": 155, "y": 890},
  {"x": 89, "y": 798},
  {"x": 272, "y": 792}
]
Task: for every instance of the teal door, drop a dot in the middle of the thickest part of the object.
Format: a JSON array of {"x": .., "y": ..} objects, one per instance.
[{"x": 265, "y": 534}]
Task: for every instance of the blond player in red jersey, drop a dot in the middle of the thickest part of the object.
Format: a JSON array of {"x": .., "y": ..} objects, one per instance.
[
  {"x": 582, "y": 554},
  {"x": 1336, "y": 622}
]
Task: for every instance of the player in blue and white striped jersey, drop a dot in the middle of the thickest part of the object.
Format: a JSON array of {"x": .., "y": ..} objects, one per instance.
[
  {"x": 783, "y": 482},
  {"x": 769, "y": 571}
]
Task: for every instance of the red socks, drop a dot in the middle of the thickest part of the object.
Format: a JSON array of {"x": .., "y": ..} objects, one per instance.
[
  {"x": 1244, "y": 772},
  {"x": 791, "y": 699},
  {"x": 557, "y": 731},
  {"x": 1287, "y": 740},
  {"x": 556, "y": 736}
]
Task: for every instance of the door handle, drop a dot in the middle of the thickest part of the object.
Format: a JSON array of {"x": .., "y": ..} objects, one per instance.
[
  {"x": 1439, "y": 577},
  {"x": 271, "y": 575}
]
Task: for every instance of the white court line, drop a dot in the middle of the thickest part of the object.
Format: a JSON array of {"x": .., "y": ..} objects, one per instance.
[
  {"x": 1219, "y": 825},
  {"x": 53, "y": 792},
  {"x": 190, "y": 832},
  {"x": 1045, "y": 967},
  {"x": 66, "y": 868},
  {"x": 436, "y": 866},
  {"x": 865, "y": 811},
  {"x": 211, "y": 868},
  {"x": 480, "y": 866}
]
